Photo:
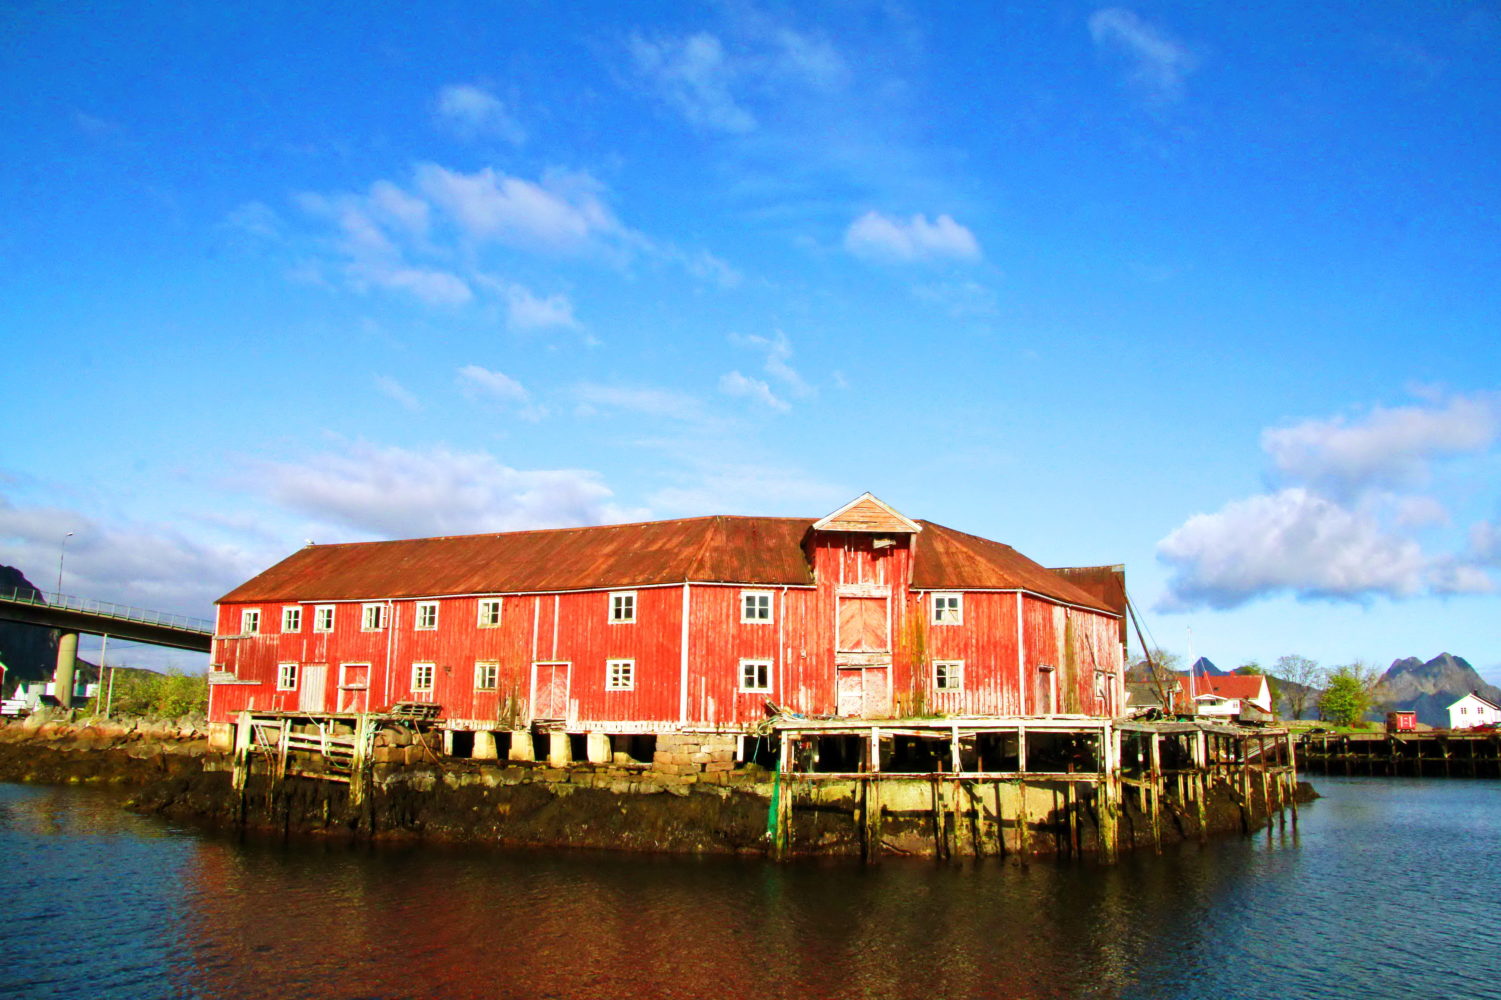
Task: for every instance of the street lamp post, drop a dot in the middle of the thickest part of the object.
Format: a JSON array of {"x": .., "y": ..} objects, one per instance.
[{"x": 62, "y": 550}]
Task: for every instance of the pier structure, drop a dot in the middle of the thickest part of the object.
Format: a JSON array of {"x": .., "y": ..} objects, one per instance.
[
  {"x": 1437, "y": 753},
  {"x": 949, "y": 787}
]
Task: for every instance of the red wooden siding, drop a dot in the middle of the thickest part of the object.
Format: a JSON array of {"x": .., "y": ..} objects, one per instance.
[{"x": 860, "y": 640}]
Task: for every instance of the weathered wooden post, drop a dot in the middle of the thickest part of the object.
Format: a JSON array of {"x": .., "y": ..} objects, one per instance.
[
  {"x": 1023, "y": 834},
  {"x": 1201, "y": 780},
  {"x": 1154, "y": 781}
]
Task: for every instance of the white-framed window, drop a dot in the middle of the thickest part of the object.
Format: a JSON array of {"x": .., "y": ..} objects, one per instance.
[
  {"x": 948, "y": 675},
  {"x": 486, "y": 675},
  {"x": 250, "y": 621},
  {"x": 948, "y": 609},
  {"x": 755, "y": 607},
  {"x": 286, "y": 677},
  {"x": 323, "y": 618},
  {"x": 489, "y": 612},
  {"x": 427, "y": 616},
  {"x": 620, "y": 675},
  {"x": 372, "y": 617},
  {"x": 755, "y": 675},
  {"x": 422, "y": 677},
  {"x": 1100, "y": 678},
  {"x": 291, "y": 619},
  {"x": 622, "y": 607}
]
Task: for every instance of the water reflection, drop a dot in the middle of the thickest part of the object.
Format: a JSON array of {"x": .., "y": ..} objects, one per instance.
[{"x": 112, "y": 905}]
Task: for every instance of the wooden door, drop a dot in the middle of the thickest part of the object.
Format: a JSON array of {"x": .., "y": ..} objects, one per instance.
[
  {"x": 312, "y": 697},
  {"x": 550, "y": 687},
  {"x": 863, "y": 625},
  {"x": 865, "y": 691},
  {"x": 354, "y": 687}
]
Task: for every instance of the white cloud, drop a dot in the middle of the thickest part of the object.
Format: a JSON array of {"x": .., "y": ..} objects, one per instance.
[
  {"x": 391, "y": 492},
  {"x": 140, "y": 565},
  {"x": 1158, "y": 65},
  {"x": 694, "y": 76},
  {"x": 525, "y": 311},
  {"x": 1388, "y": 447},
  {"x": 563, "y": 214},
  {"x": 778, "y": 352},
  {"x": 878, "y": 237},
  {"x": 478, "y": 381},
  {"x": 736, "y": 384},
  {"x": 636, "y": 399},
  {"x": 433, "y": 287},
  {"x": 473, "y": 112},
  {"x": 388, "y": 386},
  {"x": 1290, "y": 541}
]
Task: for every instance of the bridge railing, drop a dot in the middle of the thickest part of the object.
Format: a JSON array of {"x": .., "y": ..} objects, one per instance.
[{"x": 28, "y": 595}]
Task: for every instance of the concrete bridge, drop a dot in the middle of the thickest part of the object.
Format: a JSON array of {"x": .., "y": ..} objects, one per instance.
[{"x": 75, "y": 615}]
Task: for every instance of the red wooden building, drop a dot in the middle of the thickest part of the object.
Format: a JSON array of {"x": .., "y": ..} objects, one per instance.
[{"x": 693, "y": 623}]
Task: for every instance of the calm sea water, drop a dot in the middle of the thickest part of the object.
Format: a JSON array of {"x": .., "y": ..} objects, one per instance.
[{"x": 1389, "y": 888}]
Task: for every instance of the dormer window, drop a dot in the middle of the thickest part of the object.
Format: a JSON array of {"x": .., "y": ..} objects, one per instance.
[{"x": 948, "y": 609}]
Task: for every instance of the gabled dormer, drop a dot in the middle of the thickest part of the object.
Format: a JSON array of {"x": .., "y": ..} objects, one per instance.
[
  {"x": 863, "y": 547},
  {"x": 867, "y": 514}
]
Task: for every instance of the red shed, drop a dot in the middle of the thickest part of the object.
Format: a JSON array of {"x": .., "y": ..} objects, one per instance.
[{"x": 692, "y": 623}]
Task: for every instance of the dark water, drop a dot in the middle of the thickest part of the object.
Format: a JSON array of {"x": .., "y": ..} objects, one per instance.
[{"x": 1389, "y": 888}]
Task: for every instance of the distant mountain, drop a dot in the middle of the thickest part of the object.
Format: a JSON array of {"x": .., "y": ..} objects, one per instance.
[
  {"x": 29, "y": 652},
  {"x": 1205, "y": 667},
  {"x": 1430, "y": 688}
]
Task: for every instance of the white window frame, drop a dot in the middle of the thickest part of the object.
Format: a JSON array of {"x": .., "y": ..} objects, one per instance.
[
  {"x": 369, "y": 610},
  {"x": 291, "y": 618},
  {"x": 418, "y": 670},
  {"x": 943, "y": 614},
  {"x": 620, "y": 675},
  {"x": 425, "y": 609},
  {"x": 618, "y": 599},
  {"x": 750, "y": 599},
  {"x": 320, "y": 612},
  {"x": 250, "y": 621},
  {"x": 287, "y": 676},
  {"x": 756, "y": 663},
  {"x": 488, "y": 612},
  {"x": 486, "y": 670},
  {"x": 955, "y": 675}
]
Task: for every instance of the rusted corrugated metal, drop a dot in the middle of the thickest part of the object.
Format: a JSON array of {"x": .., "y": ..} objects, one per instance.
[{"x": 852, "y": 629}]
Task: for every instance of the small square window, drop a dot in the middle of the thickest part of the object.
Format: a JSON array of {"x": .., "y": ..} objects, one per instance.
[
  {"x": 286, "y": 677},
  {"x": 422, "y": 677},
  {"x": 948, "y": 675},
  {"x": 323, "y": 618},
  {"x": 489, "y": 612},
  {"x": 620, "y": 675},
  {"x": 291, "y": 619},
  {"x": 948, "y": 609},
  {"x": 755, "y": 607},
  {"x": 250, "y": 622},
  {"x": 486, "y": 676},
  {"x": 623, "y": 607},
  {"x": 755, "y": 675},
  {"x": 373, "y": 618},
  {"x": 427, "y": 616}
]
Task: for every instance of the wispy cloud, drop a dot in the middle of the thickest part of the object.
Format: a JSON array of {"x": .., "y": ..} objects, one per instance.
[
  {"x": 391, "y": 492},
  {"x": 480, "y": 382},
  {"x": 874, "y": 236},
  {"x": 694, "y": 76},
  {"x": 736, "y": 384},
  {"x": 593, "y": 398},
  {"x": 1157, "y": 65},
  {"x": 471, "y": 112},
  {"x": 388, "y": 386},
  {"x": 777, "y": 351}
]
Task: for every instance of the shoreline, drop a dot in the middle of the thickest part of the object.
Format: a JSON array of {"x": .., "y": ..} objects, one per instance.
[{"x": 171, "y": 772}]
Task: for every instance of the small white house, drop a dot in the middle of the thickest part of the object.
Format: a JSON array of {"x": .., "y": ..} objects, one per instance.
[{"x": 1473, "y": 710}]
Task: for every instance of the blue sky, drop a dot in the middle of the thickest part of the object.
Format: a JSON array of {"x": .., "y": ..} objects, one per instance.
[{"x": 1209, "y": 292}]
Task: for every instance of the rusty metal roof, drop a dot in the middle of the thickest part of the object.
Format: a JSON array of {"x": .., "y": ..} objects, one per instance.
[{"x": 721, "y": 549}]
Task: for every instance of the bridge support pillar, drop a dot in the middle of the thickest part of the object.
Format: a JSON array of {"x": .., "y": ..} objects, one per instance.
[{"x": 62, "y": 677}]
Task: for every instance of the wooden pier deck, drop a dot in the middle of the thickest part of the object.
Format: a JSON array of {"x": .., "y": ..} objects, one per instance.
[{"x": 1436, "y": 753}]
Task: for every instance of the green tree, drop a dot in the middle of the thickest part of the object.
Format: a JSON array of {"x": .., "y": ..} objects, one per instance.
[
  {"x": 1353, "y": 690},
  {"x": 1302, "y": 677}
]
